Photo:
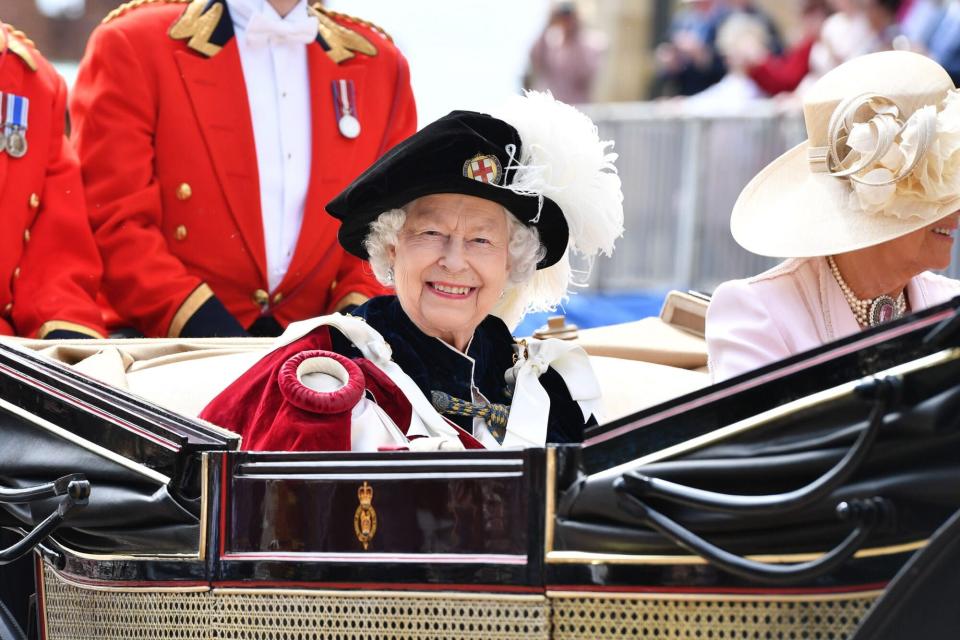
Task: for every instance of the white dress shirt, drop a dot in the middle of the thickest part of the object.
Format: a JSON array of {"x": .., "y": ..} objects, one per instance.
[{"x": 278, "y": 90}]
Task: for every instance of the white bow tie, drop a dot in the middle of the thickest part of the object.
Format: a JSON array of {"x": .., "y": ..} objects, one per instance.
[{"x": 267, "y": 28}]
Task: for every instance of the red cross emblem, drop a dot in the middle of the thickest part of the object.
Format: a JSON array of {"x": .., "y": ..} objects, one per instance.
[{"x": 483, "y": 168}]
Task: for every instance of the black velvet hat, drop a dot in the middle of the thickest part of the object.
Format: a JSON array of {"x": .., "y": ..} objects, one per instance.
[{"x": 464, "y": 152}]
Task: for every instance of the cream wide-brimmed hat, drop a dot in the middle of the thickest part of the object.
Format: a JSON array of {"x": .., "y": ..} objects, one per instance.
[{"x": 882, "y": 159}]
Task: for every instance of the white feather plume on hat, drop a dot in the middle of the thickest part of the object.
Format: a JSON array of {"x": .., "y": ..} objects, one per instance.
[{"x": 563, "y": 159}]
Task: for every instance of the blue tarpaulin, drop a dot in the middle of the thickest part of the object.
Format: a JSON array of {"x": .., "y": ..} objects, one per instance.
[{"x": 594, "y": 310}]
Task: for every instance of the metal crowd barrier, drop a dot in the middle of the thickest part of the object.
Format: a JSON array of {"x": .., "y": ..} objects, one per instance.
[{"x": 681, "y": 176}]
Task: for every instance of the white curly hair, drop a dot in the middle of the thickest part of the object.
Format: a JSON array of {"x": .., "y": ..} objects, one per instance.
[{"x": 523, "y": 246}]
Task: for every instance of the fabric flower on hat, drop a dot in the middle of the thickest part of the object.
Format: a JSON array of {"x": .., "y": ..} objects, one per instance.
[
  {"x": 934, "y": 181},
  {"x": 872, "y": 193}
]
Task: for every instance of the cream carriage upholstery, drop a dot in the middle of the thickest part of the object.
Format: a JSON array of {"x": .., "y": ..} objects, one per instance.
[{"x": 639, "y": 364}]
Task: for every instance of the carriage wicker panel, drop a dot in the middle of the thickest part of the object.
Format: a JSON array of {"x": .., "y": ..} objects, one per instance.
[
  {"x": 365, "y": 615},
  {"x": 604, "y": 616},
  {"x": 73, "y": 612},
  {"x": 79, "y": 612}
]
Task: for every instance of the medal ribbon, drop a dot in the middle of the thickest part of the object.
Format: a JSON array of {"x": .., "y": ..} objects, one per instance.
[
  {"x": 17, "y": 109},
  {"x": 344, "y": 98},
  {"x": 8, "y": 104}
]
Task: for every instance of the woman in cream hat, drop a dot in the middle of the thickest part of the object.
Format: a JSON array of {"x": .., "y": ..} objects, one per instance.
[{"x": 862, "y": 210}]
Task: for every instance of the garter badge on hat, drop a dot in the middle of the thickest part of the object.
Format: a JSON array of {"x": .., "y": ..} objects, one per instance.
[{"x": 483, "y": 168}]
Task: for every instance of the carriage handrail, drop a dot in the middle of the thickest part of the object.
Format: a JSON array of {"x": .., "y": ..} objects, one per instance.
[
  {"x": 884, "y": 391},
  {"x": 76, "y": 495},
  {"x": 58, "y": 487},
  {"x": 869, "y": 514}
]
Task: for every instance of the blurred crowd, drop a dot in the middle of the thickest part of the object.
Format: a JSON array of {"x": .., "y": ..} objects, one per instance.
[
  {"x": 566, "y": 57},
  {"x": 727, "y": 53}
]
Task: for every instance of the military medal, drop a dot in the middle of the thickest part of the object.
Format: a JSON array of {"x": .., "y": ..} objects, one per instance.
[
  {"x": 3, "y": 125},
  {"x": 349, "y": 126},
  {"x": 17, "y": 111},
  {"x": 345, "y": 107}
]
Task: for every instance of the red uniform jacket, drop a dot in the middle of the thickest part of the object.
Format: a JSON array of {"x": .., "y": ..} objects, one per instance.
[
  {"x": 162, "y": 125},
  {"x": 49, "y": 265}
]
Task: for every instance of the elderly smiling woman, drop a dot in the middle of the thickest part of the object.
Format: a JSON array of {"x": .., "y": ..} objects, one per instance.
[
  {"x": 863, "y": 210},
  {"x": 444, "y": 250},
  {"x": 471, "y": 222}
]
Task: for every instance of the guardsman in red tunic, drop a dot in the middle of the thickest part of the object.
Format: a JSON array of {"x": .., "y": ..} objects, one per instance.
[
  {"x": 212, "y": 133},
  {"x": 49, "y": 266}
]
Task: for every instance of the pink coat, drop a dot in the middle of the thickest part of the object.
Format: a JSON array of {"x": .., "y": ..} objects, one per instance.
[{"x": 795, "y": 306}]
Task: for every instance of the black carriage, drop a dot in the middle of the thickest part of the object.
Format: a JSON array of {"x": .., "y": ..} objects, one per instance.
[{"x": 779, "y": 504}]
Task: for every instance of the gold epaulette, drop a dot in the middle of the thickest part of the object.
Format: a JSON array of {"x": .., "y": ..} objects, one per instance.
[
  {"x": 20, "y": 34},
  {"x": 127, "y": 7},
  {"x": 343, "y": 16},
  {"x": 18, "y": 43}
]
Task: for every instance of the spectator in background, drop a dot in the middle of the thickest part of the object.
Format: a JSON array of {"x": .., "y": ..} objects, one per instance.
[
  {"x": 918, "y": 19},
  {"x": 882, "y": 16},
  {"x": 566, "y": 57},
  {"x": 741, "y": 40},
  {"x": 858, "y": 27},
  {"x": 65, "y": 9},
  {"x": 775, "y": 42},
  {"x": 687, "y": 63},
  {"x": 944, "y": 43},
  {"x": 845, "y": 35},
  {"x": 779, "y": 74}
]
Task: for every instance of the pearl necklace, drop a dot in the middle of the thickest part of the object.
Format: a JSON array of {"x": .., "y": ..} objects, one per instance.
[{"x": 872, "y": 311}]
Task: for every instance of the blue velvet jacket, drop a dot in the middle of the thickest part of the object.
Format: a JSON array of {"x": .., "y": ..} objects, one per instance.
[{"x": 435, "y": 366}]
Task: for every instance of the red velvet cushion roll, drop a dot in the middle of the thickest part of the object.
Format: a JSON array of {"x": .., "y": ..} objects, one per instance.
[
  {"x": 273, "y": 416},
  {"x": 252, "y": 404},
  {"x": 309, "y": 420},
  {"x": 320, "y": 402},
  {"x": 285, "y": 416}
]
